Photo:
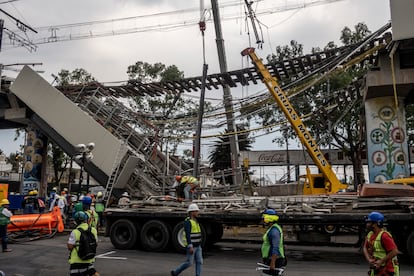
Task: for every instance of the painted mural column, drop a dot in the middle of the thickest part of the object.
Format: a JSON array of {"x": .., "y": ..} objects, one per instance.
[
  {"x": 387, "y": 145},
  {"x": 35, "y": 150}
]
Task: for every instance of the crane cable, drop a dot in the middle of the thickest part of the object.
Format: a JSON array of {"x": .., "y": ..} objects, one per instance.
[{"x": 197, "y": 142}]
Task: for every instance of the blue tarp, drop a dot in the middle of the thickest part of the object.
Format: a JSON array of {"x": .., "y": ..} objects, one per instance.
[{"x": 15, "y": 201}]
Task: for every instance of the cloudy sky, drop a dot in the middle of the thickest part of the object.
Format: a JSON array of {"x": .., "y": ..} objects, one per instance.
[{"x": 166, "y": 31}]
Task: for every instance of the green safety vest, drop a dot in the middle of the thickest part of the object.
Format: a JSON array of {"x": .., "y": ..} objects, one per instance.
[
  {"x": 99, "y": 207},
  {"x": 74, "y": 258},
  {"x": 195, "y": 232},
  {"x": 78, "y": 207},
  {"x": 379, "y": 252},
  {"x": 266, "y": 242},
  {"x": 4, "y": 220}
]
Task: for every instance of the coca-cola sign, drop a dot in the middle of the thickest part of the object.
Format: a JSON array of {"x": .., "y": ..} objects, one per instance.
[{"x": 271, "y": 158}]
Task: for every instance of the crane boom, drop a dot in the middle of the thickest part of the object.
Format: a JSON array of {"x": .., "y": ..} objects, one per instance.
[{"x": 296, "y": 122}]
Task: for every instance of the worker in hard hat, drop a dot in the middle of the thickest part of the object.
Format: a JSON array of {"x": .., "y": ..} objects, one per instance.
[
  {"x": 93, "y": 216},
  {"x": 273, "y": 252},
  {"x": 100, "y": 208},
  {"x": 40, "y": 203},
  {"x": 193, "y": 240},
  {"x": 52, "y": 197},
  {"x": 5, "y": 216},
  {"x": 63, "y": 205},
  {"x": 124, "y": 200},
  {"x": 77, "y": 205},
  {"x": 78, "y": 266},
  {"x": 30, "y": 204},
  {"x": 188, "y": 186},
  {"x": 192, "y": 185},
  {"x": 380, "y": 250}
]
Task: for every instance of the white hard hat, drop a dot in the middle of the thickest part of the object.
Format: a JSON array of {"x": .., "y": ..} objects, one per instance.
[
  {"x": 193, "y": 207},
  {"x": 203, "y": 196},
  {"x": 125, "y": 194}
]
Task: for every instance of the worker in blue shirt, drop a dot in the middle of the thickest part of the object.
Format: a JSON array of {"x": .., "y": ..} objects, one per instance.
[{"x": 273, "y": 252}]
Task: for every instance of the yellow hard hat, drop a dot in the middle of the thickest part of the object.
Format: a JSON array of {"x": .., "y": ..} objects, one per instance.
[
  {"x": 4, "y": 201},
  {"x": 31, "y": 193},
  {"x": 35, "y": 192}
]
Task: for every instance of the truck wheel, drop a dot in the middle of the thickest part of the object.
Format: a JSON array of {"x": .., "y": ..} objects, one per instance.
[
  {"x": 178, "y": 240},
  {"x": 155, "y": 235},
  {"x": 216, "y": 233},
  {"x": 177, "y": 237},
  {"x": 410, "y": 246},
  {"x": 330, "y": 229},
  {"x": 123, "y": 234}
]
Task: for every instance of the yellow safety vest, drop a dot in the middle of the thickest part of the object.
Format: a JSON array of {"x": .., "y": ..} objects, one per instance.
[
  {"x": 266, "y": 243},
  {"x": 195, "y": 232},
  {"x": 74, "y": 258},
  {"x": 379, "y": 252}
]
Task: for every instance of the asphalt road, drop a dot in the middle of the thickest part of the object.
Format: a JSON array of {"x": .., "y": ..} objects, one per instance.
[{"x": 49, "y": 257}]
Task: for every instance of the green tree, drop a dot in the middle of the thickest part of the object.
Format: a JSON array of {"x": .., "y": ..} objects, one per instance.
[
  {"x": 174, "y": 115},
  {"x": 293, "y": 50},
  {"x": 324, "y": 103},
  {"x": 220, "y": 157},
  {"x": 14, "y": 159},
  {"x": 59, "y": 160},
  {"x": 77, "y": 76},
  {"x": 349, "y": 37}
]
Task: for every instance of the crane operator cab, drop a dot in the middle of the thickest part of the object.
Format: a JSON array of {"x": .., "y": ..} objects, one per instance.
[{"x": 317, "y": 184}]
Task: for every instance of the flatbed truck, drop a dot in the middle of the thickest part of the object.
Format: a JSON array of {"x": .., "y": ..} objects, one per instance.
[
  {"x": 319, "y": 214},
  {"x": 156, "y": 224}
]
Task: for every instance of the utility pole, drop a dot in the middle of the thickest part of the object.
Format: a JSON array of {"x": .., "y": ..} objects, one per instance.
[
  {"x": 227, "y": 98},
  {"x": 197, "y": 142}
]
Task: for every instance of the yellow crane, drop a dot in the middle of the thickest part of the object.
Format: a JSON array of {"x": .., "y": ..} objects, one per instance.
[{"x": 325, "y": 182}]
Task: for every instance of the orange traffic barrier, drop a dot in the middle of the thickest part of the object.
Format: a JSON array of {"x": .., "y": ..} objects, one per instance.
[{"x": 46, "y": 221}]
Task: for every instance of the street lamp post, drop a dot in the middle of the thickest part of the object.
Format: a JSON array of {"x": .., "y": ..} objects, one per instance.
[{"x": 82, "y": 156}]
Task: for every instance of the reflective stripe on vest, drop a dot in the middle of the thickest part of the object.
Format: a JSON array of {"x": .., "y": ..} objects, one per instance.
[
  {"x": 195, "y": 232},
  {"x": 379, "y": 251},
  {"x": 266, "y": 243},
  {"x": 74, "y": 258}
]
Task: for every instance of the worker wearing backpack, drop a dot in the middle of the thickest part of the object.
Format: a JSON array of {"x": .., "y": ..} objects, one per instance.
[{"x": 82, "y": 246}]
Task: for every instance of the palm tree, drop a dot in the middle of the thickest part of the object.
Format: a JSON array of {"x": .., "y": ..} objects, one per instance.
[{"x": 220, "y": 157}]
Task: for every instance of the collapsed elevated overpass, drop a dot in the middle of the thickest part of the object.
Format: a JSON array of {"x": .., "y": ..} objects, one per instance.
[{"x": 124, "y": 155}]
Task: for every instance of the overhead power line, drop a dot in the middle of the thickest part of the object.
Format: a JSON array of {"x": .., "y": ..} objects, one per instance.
[{"x": 138, "y": 24}]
